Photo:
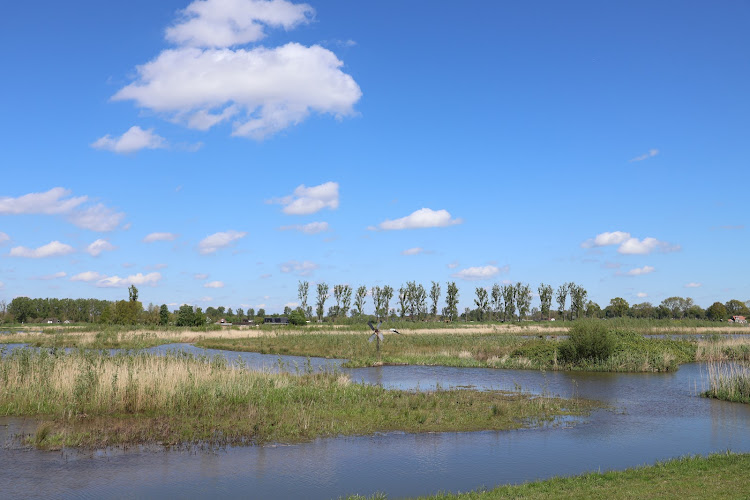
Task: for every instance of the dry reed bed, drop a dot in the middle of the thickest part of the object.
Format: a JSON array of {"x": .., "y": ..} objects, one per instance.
[{"x": 93, "y": 399}]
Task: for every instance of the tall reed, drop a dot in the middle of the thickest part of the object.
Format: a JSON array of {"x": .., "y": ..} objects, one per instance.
[{"x": 729, "y": 382}]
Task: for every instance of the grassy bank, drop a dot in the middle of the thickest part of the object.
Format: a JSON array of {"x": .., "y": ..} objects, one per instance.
[
  {"x": 631, "y": 351},
  {"x": 92, "y": 399},
  {"x": 729, "y": 382},
  {"x": 716, "y": 476}
]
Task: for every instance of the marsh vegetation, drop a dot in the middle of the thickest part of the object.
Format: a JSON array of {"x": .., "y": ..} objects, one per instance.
[{"x": 94, "y": 399}]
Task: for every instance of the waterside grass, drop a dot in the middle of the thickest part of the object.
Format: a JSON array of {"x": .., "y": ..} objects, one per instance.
[
  {"x": 94, "y": 399},
  {"x": 729, "y": 382},
  {"x": 715, "y": 476},
  {"x": 632, "y": 352}
]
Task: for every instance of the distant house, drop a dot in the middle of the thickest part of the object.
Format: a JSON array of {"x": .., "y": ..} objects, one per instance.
[
  {"x": 247, "y": 322},
  {"x": 278, "y": 320},
  {"x": 738, "y": 319},
  {"x": 223, "y": 322},
  {"x": 52, "y": 321}
]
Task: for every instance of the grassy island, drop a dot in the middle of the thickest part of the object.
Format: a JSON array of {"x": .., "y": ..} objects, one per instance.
[{"x": 94, "y": 399}]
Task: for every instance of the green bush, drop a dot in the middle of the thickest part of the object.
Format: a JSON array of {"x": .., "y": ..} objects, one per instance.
[
  {"x": 297, "y": 318},
  {"x": 589, "y": 340}
]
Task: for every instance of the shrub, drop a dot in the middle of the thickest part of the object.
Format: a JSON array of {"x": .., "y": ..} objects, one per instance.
[
  {"x": 297, "y": 318},
  {"x": 589, "y": 340}
]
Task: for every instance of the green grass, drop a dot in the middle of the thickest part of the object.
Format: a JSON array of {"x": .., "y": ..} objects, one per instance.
[
  {"x": 93, "y": 399},
  {"x": 716, "y": 476},
  {"x": 632, "y": 352}
]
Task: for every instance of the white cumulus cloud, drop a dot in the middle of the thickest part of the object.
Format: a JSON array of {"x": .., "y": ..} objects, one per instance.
[
  {"x": 638, "y": 271},
  {"x": 641, "y": 295},
  {"x": 214, "y": 284},
  {"x": 217, "y": 241},
  {"x": 51, "y": 249},
  {"x": 139, "y": 279},
  {"x": 304, "y": 268},
  {"x": 480, "y": 273},
  {"x": 262, "y": 90},
  {"x": 225, "y": 23},
  {"x": 628, "y": 245},
  {"x": 308, "y": 200},
  {"x": 53, "y": 202},
  {"x": 606, "y": 239},
  {"x": 150, "y": 238},
  {"x": 311, "y": 228},
  {"x": 634, "y": 246},
  {"x": 100, "y": 246},
  {"x": 651, "y": 153},
  {"x": 87, "y": 276},
  {"x": 424, "y": 217},
  {"x": 131, "y": 141}
]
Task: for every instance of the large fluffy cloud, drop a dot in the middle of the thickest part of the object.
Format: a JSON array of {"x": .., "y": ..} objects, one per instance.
[
  {"x": 224, "y": 23},
  {"x": 424, "y": 217},
  {"x": 263, "y": 90},
  {"x": 57, "y": 201},
  {"x": 51, "y": 249},
  {"x": 308, "y": 200},
  {"x": 216, "y": 241},
  {"x": 131, "y": 141}
]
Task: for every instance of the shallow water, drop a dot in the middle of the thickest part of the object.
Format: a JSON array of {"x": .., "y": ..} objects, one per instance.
[{"x": 654, "y": 416}]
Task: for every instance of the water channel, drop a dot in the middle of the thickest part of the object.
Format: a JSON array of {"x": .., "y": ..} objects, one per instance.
[{"x": 653, "y": 417}]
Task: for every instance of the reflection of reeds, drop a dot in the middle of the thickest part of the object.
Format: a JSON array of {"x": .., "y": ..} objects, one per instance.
[{"x": 730, "y": 382}]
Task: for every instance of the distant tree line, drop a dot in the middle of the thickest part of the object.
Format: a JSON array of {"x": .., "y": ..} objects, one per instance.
[{"x": 411, "y": 301}]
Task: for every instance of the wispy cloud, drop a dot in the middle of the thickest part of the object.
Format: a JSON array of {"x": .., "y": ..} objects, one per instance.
[
  {"x": 480, "y": 273},
  {"x": 422, "y": 218},
  {"x": 641, "y": 295},
  {"x": 309, "y": 200},
  {"x": 4, "y": 238},
  {"x": 150, "y": 238},
  {"x": 54, "y": 276},
  {"x": 651, "y": 153},
  {"x": 99, "y": 246},
  {"x": 311, "y": 228},
  {"x": 414, "y": 251},
  {"x": 200, "y": 276},
  {"x": 453, "y": 265},
  {"x": 151, "y": 279},
  {"x": 214, "y": 284},
  {"x": 217, "y": 241},
  {"x": 88, "y": 276},
  {"x": 51, "y": 249},
  {"x": 131, "y": 141},
  {"x": 304, "y": 268},
  {"x": 639, "y": 271},
  {"x": 693, "y": 285}
]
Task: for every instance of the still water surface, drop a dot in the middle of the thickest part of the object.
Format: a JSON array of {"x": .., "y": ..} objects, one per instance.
[{"x": 654, "y": 416}]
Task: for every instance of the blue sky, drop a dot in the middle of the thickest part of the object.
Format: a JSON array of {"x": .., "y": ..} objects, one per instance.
[{"x": 217, "y": 152}]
